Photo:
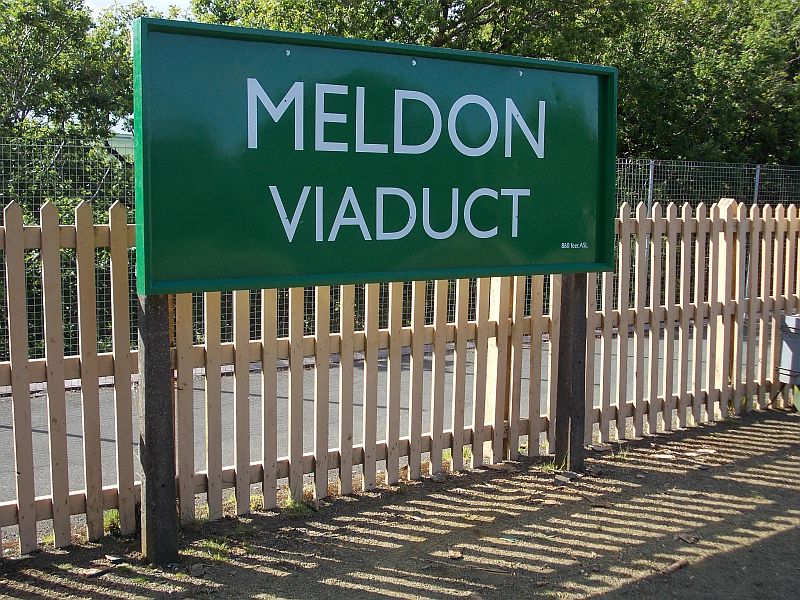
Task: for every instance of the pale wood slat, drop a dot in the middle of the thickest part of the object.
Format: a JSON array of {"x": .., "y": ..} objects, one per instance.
[
  {"x": 322, "y": 328},
  {"x": 684, "y": 376},
  {"x": 54, "y": 353},
  {"x": 20, "y": 392},
  {"x": 184, "y": 407},
  {"x": 90, "y": 388},
  {"x": 212, "y": 318},
  {"x": 640, "y": 295},
  {"x": 295, "y": 422},
  {"x": 790, "y": 291},
  {"x": 479, "y": 384},
  {"x": 591, "y": 341},
  {"x": 515, "y": 383},
  {"x": 700, "y": 312},
  {"x": 726, "y": 280},
  {"x": 714, "y": 315},
  {"x": 369, "y": 416},
  {"x": 460, "y": 372},
  {"x": 123, "y": 403},
  {"x": 605, "y": 357},
  {"x": 416, "y": 388},
  {"x": 394, "y": 373},
  {"x": 739, "y": 227},
  {"x": 498, "y": 368},
  {"x": 346, "y": 315},
  {"x": 658, "y": 229},
  {"x": 753, "y": 321},
  {"x": 671, "y": 316},
  {"x": 778, "y": 302},
  {"x": 535, "y": 370},
  {"x": 768, "y": 229},
  {"x": 552, "y": 375},
  {"x": 241, "y": 398},
  {"x": 623, "y": 303},
  {"x": 438, "y": 374}
]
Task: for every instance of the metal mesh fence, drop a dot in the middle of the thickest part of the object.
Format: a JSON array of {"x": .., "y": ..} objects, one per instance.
[{"x": 66, "y": 172}]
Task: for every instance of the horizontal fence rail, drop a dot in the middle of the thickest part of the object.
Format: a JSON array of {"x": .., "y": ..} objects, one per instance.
[{"x": 397, "y": 380}]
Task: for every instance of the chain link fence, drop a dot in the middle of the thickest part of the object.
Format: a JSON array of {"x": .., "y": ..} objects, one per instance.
[{"x": 67, "y": 172}]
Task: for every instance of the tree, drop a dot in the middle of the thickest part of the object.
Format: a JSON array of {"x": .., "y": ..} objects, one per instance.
[
  {"x": 62, "y": 72},
  {"x": 699, "y": 79}
]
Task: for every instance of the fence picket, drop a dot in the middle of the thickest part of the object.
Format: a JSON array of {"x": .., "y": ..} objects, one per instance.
[
  {"x": 790, "y": 303},
  {"x": 605, "y": 356},
  {"x": 322, "y": 329},
  {"x": 535, "y": 378},
  {"x": 768, "y": 229},
  {"x": 640, "y": 296},
  {"x": 438, "y": 373},
  {"x": 791, "y": 260},
  {"x": 184, "y": 406},
  {"x": 212, "y": 319},
  {"x": 497, "y": 374},
  {"x": 515, "y": 383},
  {"x": 295, "y": 421},
  {"x": 241, "y": 398},
  {"x": 90, "y": 384},
  {"x": 591, "y": 329},
  {"x": 623, "y": 303},
  {"x": 740, "y": 310},
  {"x": 714, "y": 314},
  {"x": 346, "y": 315},
  {"x": 699, "y": 309},
  {"x": 460, "y": 372},
  {"x": 687, "y": 311},
  {"x": 657, "y": 313},
  {"x": 20, "y": 391},
  {"x": 672, "y": 225},
  {"x": 725, "y": 295},
  {"x": 753, "y": 279},
  {"x": 121, "y": 324},
  {"x": 369, "y": 417},
  {"x": 778, "y": 301},
  {"x": 394, "y": 374},
  {"x": 552, "y": 376},
  {"x": 269, "y": 396},
  {"x": 56, "y": 407},
  {"x": 481, "y": 357}
]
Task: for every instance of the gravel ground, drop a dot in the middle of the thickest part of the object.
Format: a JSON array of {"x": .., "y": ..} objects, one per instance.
[{"x": 710, "y": 512}]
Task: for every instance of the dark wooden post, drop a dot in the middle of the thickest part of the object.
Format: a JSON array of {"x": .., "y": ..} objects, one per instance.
[
  {"x": 571, "y": 391},
  {"x": 157, "y": 433}
]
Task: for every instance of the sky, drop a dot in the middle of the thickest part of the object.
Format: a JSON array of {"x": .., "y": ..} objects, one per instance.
[{"x": 160, "y": 5}]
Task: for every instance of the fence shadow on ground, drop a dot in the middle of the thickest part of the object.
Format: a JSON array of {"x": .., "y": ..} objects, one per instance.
[{"x": 723, "y": 497}]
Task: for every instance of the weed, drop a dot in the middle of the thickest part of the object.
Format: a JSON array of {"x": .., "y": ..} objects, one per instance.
[
  {"x": 466, "y": 452},
  {"x": 216, "y": 548},
  {"x": 549, "y": 467},
  {"x": 256, "y": 502},
  {"x": 620, "y": 454},
  {"x": 111, "y": 522},
  {"x": 296, "y": 509},
  {"x": 49, "y": 539},
  {"x": 229, "y": 505}
]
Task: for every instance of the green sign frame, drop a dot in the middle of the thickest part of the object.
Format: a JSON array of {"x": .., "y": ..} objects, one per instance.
[{"x": 269, "y": 159}]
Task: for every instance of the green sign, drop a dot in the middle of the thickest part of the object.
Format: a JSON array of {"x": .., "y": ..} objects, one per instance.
[{"x": 268, "y": 159}]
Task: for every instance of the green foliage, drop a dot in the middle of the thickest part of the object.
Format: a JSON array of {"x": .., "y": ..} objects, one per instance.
[
  {"x": 61, "y": 71},
  {"x": 713, "y": 80}
]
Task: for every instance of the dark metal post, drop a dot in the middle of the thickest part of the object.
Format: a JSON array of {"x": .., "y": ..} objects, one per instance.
[
  {"x": 571, "y": 391},
  {"x": 156, "y": 433}
]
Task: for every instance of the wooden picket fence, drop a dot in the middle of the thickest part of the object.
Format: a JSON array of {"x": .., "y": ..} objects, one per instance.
[{"x": 698, "y": 291}]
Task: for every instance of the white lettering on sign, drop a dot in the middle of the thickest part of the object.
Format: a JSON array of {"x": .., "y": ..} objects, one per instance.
[
  {"x": 256, "y": 94},
  {"x": 294, "y": 96},
  {"x": 349, "y": 203}
]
